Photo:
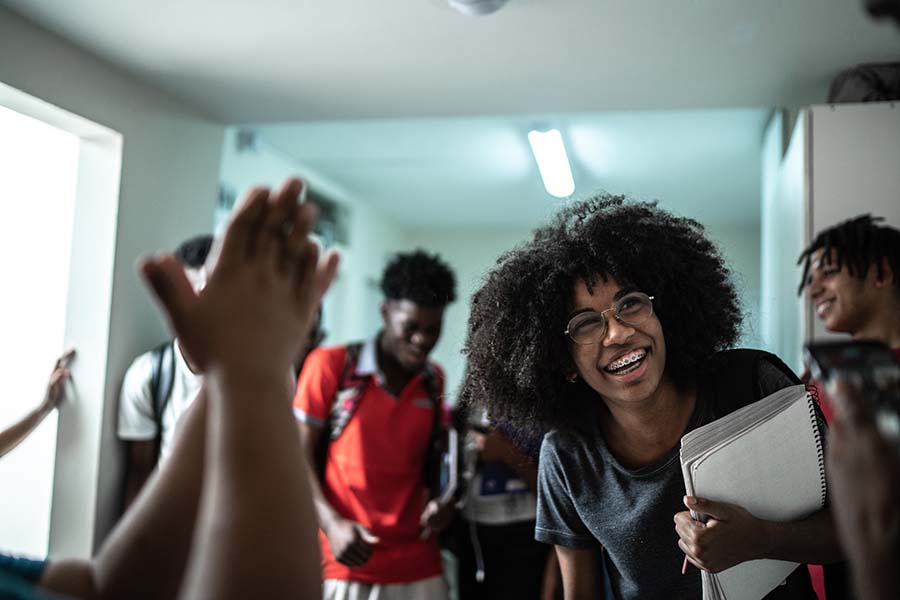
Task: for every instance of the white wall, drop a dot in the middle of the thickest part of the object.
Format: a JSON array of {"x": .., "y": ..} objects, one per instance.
[
  {"x": 169, "y": 164},
  {"x": 770, "y": 166},
  {"x": 783, "y": 224},
  {"x": 854, "y": 157},
  {"x": 740, "y": 247}
]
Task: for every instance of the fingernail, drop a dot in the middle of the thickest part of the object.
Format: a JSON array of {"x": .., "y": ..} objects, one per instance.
[{"x": 690, "y": 500}]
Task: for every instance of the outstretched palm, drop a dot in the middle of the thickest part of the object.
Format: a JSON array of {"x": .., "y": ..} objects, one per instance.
[{"x": 266, "y": 269}]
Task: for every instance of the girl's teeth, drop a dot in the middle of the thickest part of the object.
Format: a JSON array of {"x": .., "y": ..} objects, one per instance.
[
  {"x": 629, "y": 368},
  {"x": 628, "y": 360}
]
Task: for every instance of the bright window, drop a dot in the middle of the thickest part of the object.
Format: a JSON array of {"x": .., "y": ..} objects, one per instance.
[{"x": 38, "y": 171}]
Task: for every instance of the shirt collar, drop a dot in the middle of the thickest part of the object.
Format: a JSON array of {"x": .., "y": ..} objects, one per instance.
[{"x": 368, "y": 358}]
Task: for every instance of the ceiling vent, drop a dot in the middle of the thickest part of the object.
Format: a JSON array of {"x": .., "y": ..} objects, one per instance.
[
  {"x": 476, "y": 8},
  {"x": 332, "y": 221}
]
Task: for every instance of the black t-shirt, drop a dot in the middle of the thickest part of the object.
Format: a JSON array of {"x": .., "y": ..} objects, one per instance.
[{"x": 587, "y": 499}]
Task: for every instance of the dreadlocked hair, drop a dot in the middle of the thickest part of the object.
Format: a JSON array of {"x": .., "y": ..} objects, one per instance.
[
  {"x": 518, "y": 356},
  {"x": 857, "y": 243}
]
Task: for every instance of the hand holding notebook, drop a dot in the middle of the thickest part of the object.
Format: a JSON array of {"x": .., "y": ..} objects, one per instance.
[
  {"x": 767, "y": 459},
  {"x": 710, "y": 539}
]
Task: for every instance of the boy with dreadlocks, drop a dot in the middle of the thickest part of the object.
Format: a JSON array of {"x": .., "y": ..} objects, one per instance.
[
  {"x": 850, "y": 273},
  {"x": 609, "y": 330}
]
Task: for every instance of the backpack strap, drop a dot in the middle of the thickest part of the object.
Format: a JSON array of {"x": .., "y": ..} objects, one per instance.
[
  {"x": 349, "y": 393},
  {"x": 731, "y": 378},
  {"x": 430, "y": 382},
  {"x": 432, "y": 466},
  {"x": 162, "y": 380}
]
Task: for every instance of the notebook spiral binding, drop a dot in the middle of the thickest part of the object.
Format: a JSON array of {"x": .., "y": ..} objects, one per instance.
[{"x": 817, "y": 420}]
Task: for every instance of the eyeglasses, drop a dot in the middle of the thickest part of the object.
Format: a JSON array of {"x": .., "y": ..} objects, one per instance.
[{"x": 589, "y": 327}]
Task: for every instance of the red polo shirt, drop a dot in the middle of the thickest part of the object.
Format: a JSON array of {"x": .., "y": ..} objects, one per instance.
[{"x": 373, "y": 474}]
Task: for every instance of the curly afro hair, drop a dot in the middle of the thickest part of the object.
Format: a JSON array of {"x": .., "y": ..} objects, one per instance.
[
  {"x": 419, "y": 277},
  {"x": 518, "y": 355},
  {"x": 857, "y": 243}
]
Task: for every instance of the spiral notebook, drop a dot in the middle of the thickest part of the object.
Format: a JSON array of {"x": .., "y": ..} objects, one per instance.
[{"x": 767, "y": 457}]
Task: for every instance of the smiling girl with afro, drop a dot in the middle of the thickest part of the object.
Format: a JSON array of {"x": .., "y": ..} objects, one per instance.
[{"x": 606, "y": 330}]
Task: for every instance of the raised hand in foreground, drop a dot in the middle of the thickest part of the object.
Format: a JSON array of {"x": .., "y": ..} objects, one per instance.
[
  {"x": 864, "y": 483},
  {"x": 257, "y": 531},
  {"x": 230, "y": 513},
  {"x": 265, "y": 284}
]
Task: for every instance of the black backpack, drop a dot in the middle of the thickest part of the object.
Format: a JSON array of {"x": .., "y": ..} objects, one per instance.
[
  {"x": 875, "y": 82},
  {"x": 351, "y": 388},
  {"x": 162, "y": 379},
  {"x": 730, "y": 378}
]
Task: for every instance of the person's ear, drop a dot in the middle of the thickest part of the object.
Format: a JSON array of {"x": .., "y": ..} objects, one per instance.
[
  {"x": 887, "y": 274},
  {"x": 385, "y": 311}
]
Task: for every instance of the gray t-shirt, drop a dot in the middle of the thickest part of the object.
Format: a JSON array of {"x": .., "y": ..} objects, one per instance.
[{"x": 587, "y": 499}]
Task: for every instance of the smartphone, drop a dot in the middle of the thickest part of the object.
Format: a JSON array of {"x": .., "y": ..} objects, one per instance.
[{"x": 872, "y": 366}]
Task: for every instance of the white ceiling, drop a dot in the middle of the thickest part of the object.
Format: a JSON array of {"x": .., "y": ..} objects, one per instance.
[
  {"x": 479, "y": 172},
  {"x": 392, "y": 66},
  {"x": 278, "y": 60}
]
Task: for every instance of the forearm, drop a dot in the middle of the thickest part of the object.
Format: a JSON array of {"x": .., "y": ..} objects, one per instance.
[
  {"x": 134, "y": 483},
  {"x": 527, "y": 471},
  {"x": 877, "y": 579},
  {"x": 71, "y": 578},
  {"x": 143, "y": 455},
  {"x": 497, "y": 446},
  {"x": 146, "y": 554},
  {"x": 12, "y": 436},
  {"x": 309, "y": 440},
  {"x": 552, "y": 581},
  {"x": 256, "y": 529},
  {"x": 812, "y": 540},
  {"x": 325, "y": 513},
  {"x": 580, "y": 576}
]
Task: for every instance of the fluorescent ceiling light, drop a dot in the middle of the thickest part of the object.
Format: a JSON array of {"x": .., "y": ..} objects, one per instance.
[
  {"x": 550, "y": 154},
  {"x": 475, "y": 8}
]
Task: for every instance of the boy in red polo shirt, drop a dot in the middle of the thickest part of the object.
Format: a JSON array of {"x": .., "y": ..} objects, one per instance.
[{"x": 375, "y": 516}]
